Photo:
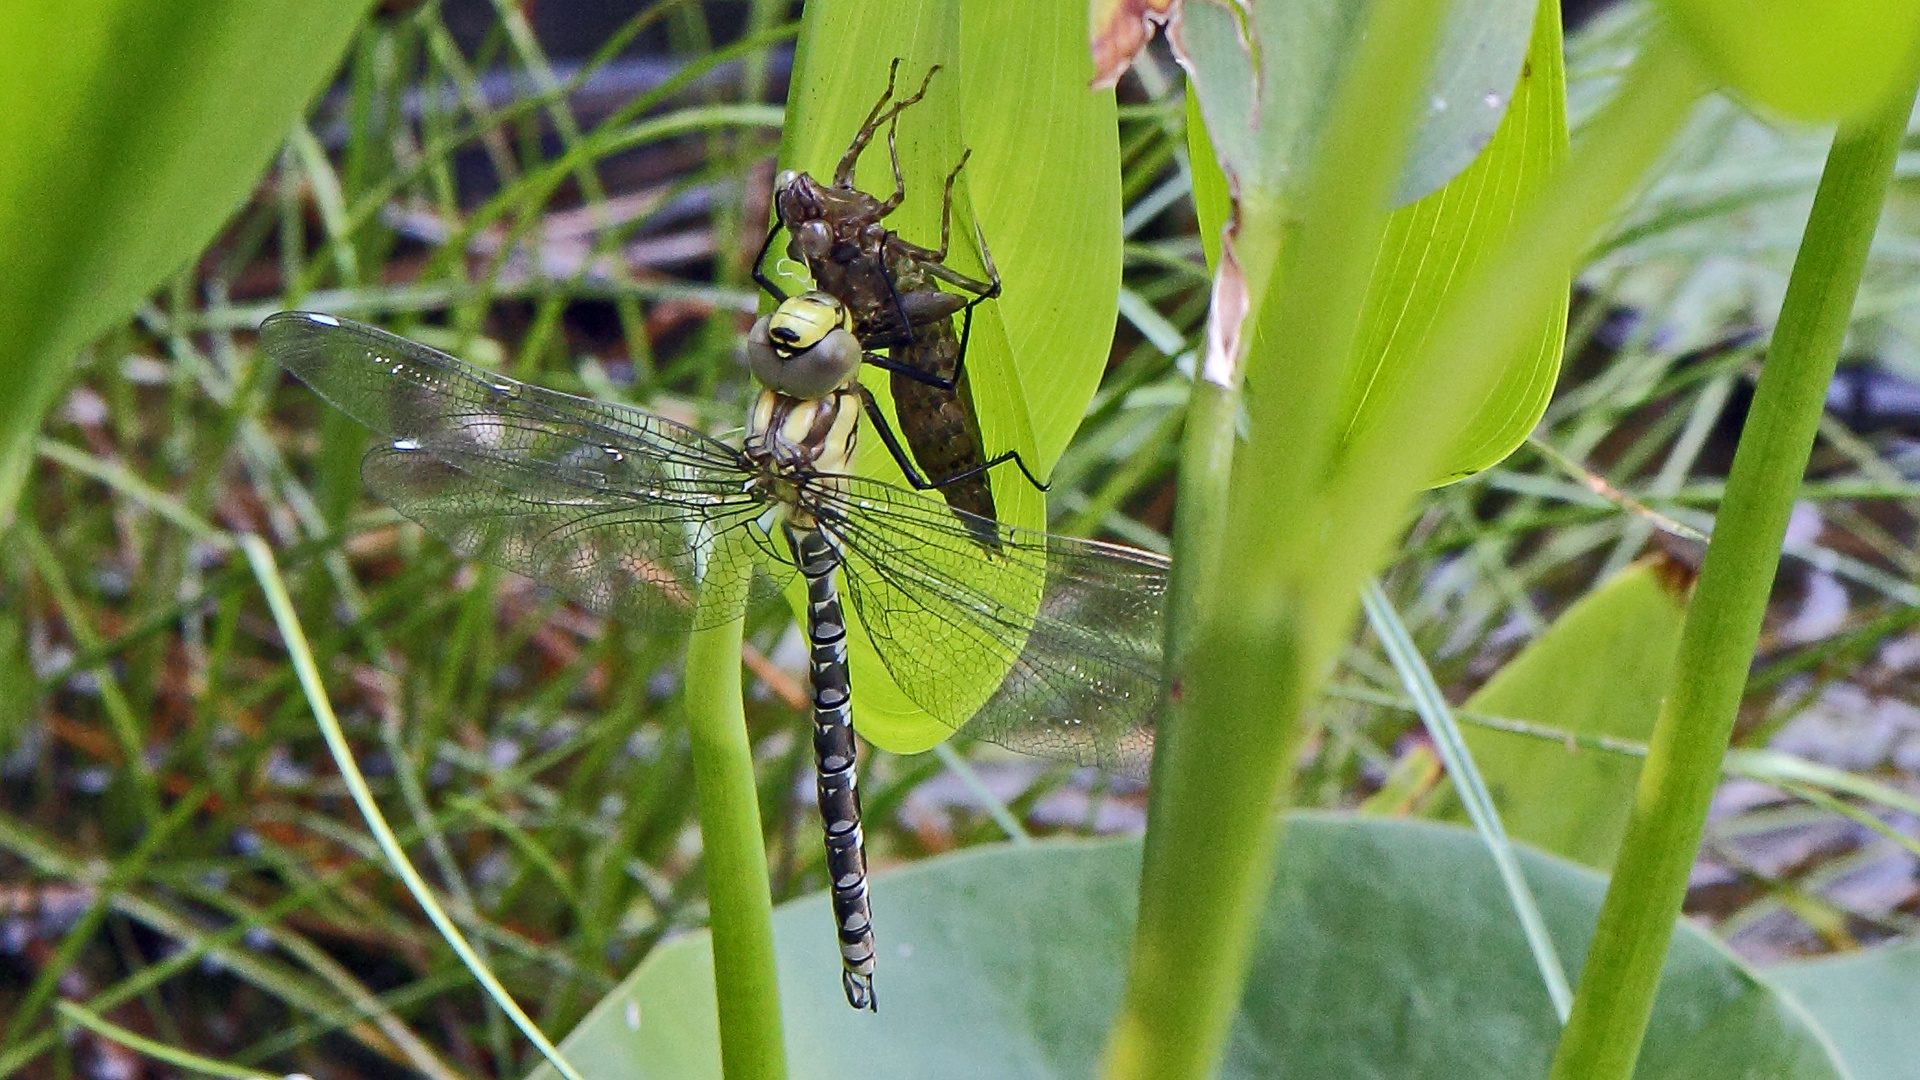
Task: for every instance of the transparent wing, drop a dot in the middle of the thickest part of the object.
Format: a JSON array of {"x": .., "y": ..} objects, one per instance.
[
  {"x": 1044, "y": 644},
  {"x": 619, "y": 509}
]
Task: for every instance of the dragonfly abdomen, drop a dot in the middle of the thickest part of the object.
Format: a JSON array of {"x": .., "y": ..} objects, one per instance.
[{"x": 834, "y": 756}]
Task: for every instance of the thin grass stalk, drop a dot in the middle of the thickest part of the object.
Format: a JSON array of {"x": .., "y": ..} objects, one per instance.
[
  {"x": 1690, "y": 738},
  {"x": 1437, "y": 716},
  {"x": 739, "y": 894},
  {"x": 80, "y": 1016},
  {"x": 267, "y": 573}
]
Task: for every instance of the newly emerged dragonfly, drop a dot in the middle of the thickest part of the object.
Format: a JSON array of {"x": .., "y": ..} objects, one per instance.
[
  {"x": 1045, "y": 644},
  {"x": 891, "y": 287}
]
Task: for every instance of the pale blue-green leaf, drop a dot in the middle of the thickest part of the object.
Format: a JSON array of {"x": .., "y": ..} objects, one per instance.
[
  {"x": 1379, "y": 956},
  {"x": 1266, "y": 125},
  {"x": 1866, "y": 1001}
]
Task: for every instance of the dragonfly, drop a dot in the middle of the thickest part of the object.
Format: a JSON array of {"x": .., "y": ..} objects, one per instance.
[
  {"x": 892, "y": 287},
  {"x": 1049, "y": 645}
]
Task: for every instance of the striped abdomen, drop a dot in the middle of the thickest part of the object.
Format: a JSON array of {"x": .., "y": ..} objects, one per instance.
[{"x": 834, "y": 755}]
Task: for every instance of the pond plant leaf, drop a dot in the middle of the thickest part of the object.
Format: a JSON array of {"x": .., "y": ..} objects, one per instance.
[
  {"x": 1384, "y": 952},
  {"x": 1865, "y": 1001},
  {"x": 1599, "y": 670}
]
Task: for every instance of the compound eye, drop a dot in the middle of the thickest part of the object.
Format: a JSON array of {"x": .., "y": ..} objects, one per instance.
[
  {"x": 812, "y": 370},
  {"x": 811, "y": 240},
  {"x": 784, "y": 181},
  {"x": 874, "y": 235},
  {"x": 828, "y": 365},
  {"x": 762, "y": 359}
]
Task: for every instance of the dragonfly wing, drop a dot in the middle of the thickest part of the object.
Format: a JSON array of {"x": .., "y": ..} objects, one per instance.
[
  {"x": 617, "y": 508},
  {"x": 649, "y": 563},
  {"x": 1045, "y": 644}
]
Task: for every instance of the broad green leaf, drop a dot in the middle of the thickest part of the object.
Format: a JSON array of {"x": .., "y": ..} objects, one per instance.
[
  {"x": 1600, "y": 669},
  {"x": 1816, "y": 61},
  {"x": 1043, "y": 186},
  {"x": 1866, "y": 1001},
  {"x": 129, "y": 131},
  {"x": 1266, "y": 126},
  {"x": 1432, "y": 244},
  {"x": 1045, "y": 177},
  {"x": 1386, "y": 952}
]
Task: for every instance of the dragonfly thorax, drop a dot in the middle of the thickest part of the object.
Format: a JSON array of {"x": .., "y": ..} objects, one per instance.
[{"x": 799, "y": 443}]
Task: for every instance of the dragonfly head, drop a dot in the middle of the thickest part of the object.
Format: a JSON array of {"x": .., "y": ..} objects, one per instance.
[{"x": 806, "y": 348}]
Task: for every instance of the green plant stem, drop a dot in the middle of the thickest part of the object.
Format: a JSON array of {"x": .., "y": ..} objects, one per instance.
[
  {"x": 739, "y": 894},
  {"x": 181, "y": 1059},
  {"x": 1616, "y": 991},
  {"x": 1200, "y": 518},
  {"x": 1307, "y": 524},
  {"x": 1224, "y": 760}
]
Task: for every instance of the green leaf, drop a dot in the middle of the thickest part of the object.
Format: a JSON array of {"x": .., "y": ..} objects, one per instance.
[
  {"x": 1866, "y": 1001},
  {"x": 129, "y": 131},
  {"x": 1044, "y": 186},
  {"x": 1600, "y": 669},
  {"x": 1817, "y": 61},
  {"x": 1045, "y": 177},
  {"x": 1434, "y": 243},
  {"x": 1267, "y": 128},
  {"x": 1380, "y": 955}
]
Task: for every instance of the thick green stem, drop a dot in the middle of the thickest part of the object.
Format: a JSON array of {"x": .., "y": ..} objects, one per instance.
[
  {"x": 738, "y": 892},
  {"x": 1306, "y": 524},
  {"x": 1622, "y": 973},
  {"x": 1241, "y": 680},
  {"x": 1206, "y": 467}
]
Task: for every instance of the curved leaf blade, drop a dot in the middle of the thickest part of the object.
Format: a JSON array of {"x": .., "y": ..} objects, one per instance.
[
  {"x": 1266, "y": 119},
  {"x": 1866, "y": 1001},
  {"x": 1600, "y": 669},
  {"x": 1433, "y": 243},
  {"x": 132, "y": 130}
]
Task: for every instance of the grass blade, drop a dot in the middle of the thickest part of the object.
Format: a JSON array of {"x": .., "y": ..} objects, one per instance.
[
  {"x": 260, "y": 558},
  {"x": 1437, "y": 716}
]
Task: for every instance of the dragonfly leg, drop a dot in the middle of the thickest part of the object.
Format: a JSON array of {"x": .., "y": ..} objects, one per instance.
[
  {"x": 920, "y": 481},
  {"x": 982, "y": 290},
  {"x": 946, "y": 204},
  {"x": 882, "y": 114},
  {"x": 927, "y": 378},
  {"x": 759, "y": 265},
  {"x": 930, "y": 262},
  {"x": 843, "y": 173},
  {"x": 893, "y": 201}
]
